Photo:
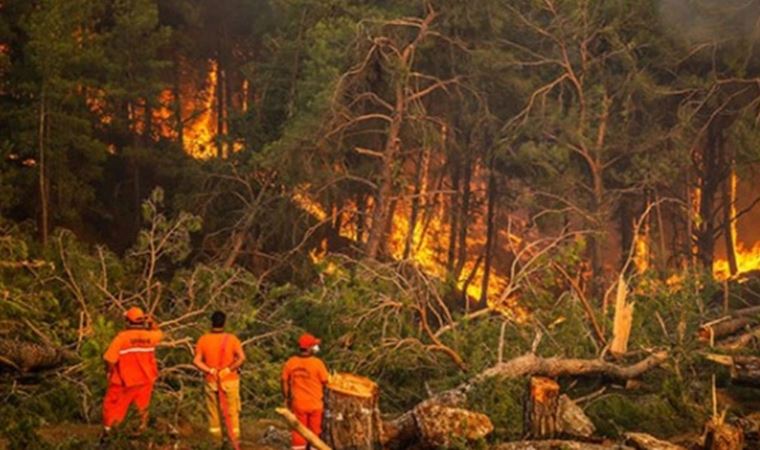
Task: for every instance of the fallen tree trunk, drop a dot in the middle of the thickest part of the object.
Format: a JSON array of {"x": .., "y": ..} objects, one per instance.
[
  {"x": 554, "y": 367},
  {"x": 744, "y": 369},
  {"x": 710, "y": 331},
  {"x": 740, "y": 341},
  {"x": 644, "y": 441},
  {"x": 556, "y": 444},
  {"x": 431, "y": 425},
  {"x": 528, "y": 364},
  {"x": 23, "y": 356},
  {"x": 730, "y": 324}
]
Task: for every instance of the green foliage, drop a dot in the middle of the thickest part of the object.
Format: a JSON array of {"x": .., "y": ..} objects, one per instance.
[{"x": 502, "y": 401}]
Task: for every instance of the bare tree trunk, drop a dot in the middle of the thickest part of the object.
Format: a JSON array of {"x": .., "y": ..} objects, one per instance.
[
  {"x": 295, "y": 64},
  {"x": 464, "y": 214},
  {"x": 361, "y": 217},
  {"x": 43, "y": 178},
  {"x": 626, "y": 220},
  {"x": 453, "y": 213},
  {"x": 416, "y": 200},
  {"x": 490, "y": 234},
  {"x": 597, "y": 240},
  {"x": 709, "y": 183},
  {"x": 729, "y": 218},
  {"x": 381, "y": 210},
  {"x": 177, "y": 89}
]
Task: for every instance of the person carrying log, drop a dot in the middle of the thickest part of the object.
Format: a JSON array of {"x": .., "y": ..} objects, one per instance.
[
  {"x": 219, "y": 355},
  {"x": 304, "y": 378},
  {"x": 131, "y": 369}
]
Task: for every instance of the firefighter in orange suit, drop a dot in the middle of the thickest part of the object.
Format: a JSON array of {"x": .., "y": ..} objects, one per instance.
[
  {"x": 303, "y": 380},
  {"x": 219, "y": 355},
  {"x": 132, "y": 370}
]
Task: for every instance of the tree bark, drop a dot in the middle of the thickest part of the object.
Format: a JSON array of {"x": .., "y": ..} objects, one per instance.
[
  {"x": 490, "y": 230},
  {"x": 463, "y": 220},
  {"x": 621, "y": 331},
  {"x": 744, "y": 369},
  {"x": 724, "y": 328},
  {"x": 541, "y": 408},
  {"x": 554, "y": 367},
  {"x": 453, "y": 213},
  {"x": 24, "y": 356},
  {"x": 381, "y": 209},
  {"x": 434, "y": 425},
  {"x": 573, "y": 421},
  {"x": 354, "y": 421},
  {"x": 729, "y": 226},
  {"x": 643, "y": 441},
  {"x": 419, "y": 188},
  {"x": 43, "y": 179}
]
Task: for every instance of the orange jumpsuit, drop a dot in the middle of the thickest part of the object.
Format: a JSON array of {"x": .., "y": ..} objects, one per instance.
[
  {"x": 210, "y": 348},
  {"x": 304, "y": 378},
  {"x": 133, "y": 373}
]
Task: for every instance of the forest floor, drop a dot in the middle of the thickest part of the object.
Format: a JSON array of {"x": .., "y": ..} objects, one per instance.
[{"x": 261, "y": 434}]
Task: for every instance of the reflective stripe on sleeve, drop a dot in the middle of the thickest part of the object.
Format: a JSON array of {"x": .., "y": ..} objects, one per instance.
[{"x": 137, "y": 350}]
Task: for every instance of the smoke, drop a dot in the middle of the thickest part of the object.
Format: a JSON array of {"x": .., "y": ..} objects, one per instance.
[{"x": 698, "y": 21}]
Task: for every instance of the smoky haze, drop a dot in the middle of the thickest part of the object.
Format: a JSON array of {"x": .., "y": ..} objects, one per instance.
[{"x": 711, "y": 20}]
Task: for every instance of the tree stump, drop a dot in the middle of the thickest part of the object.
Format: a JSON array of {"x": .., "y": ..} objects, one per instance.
[
  {"x": 541, "y": 409},
  {"x": 353, "y": 421},
  {"x": 723, "y": 436}
]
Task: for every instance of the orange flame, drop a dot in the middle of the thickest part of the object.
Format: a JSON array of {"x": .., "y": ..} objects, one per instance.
[
  {"x": 747, "y": 260},
  {"x": 201, "y": 126},
  {"x": 641, "y": 255}
]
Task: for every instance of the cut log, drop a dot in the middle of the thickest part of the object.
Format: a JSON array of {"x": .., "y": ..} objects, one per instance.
[
  {"x": 716, "y": 330},
  {"x": 432, "y": 425},
  {"x": 23, "y": 356},
  {"x": 643, "y": 441},
  {"x": 744, "y": 369},
  {"x": 622, "y": 321},
  {"x": 439, "y": 426},
  {"x": 573, "y": 420},
  {"x": 354, "y": 420},
  {"x": 294, "y": 424},
  {"x": 556, "y": 444},
  {"x": 741, "y": 340},
  {"x": 541, "y": 408},
  {"x": 723, "y": 436}
]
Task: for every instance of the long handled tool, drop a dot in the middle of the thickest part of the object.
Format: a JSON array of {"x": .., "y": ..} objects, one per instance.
[{"x": 224, "y": 406}]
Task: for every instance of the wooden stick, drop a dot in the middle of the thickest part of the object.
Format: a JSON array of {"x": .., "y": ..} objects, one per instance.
[{"x": 294, "y": 424}]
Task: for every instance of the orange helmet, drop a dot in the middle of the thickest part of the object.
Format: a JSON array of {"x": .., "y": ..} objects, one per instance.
[
  {"x": 134, "y": 315},
  {"x": 307, "y": 341}
]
